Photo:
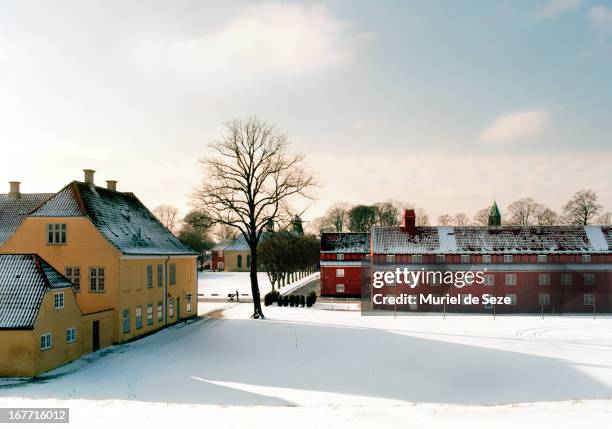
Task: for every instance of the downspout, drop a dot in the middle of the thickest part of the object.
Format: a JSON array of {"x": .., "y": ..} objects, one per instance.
[{"x": 166, "y": 291}]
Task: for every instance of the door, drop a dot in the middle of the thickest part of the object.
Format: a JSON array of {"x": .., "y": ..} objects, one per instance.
[
  {"x": 96, "y": 335},
  {"x": 178, "y": 309}
]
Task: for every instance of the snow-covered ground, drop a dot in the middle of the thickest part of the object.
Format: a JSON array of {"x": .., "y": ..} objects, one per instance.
[
  {"x": 218, "y": 284},
  {"x": 307, "y": 368}
]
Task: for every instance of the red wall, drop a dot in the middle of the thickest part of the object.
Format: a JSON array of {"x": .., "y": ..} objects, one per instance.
[
  {"x": 352, "y": 281},
  {"x": 216, "y": 259}
]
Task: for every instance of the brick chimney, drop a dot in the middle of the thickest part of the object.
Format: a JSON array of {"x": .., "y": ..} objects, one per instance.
[
  {"x": 409, "y": 222},
  {"x": 111, "y": 185},
  {"x": 14, "y": 192},
  {"x": 89, "y": 176}
]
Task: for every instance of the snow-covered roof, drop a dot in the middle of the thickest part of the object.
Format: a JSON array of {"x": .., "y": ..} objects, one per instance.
[
  {"x": 119, "y": 216},
  {"x": 23, "y": 282},
  {"x": 14, "y": 209},
  {"x": 345, "y": 242},
  {"x": 239, "y": 244},
  {"x": 492, "y": 239}
]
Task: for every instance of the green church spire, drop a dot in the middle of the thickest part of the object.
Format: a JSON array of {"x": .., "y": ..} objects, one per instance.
[{"x": 494, "y": 215}]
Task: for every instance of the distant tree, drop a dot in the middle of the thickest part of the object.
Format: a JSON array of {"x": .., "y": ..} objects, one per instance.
[
  {"x": 445, "y": 220},
  {"x": 319, "y": 225},
  {"x": 195, "y": 233},
  {"x": 545, "y": 215},
  {"x": 337, "y": 216},
  {"x": 605, "y": 219},
  {"x": 522, "y": 212},
  {"x": 249, "y": 181},
  {"x": 361, "y": 218},
  {"x": 482, "y": 217},
  {"x": 422, "y": 218},
  {"x": 461, "y": 219},
  {"x": 168, "y": 216},
  {"x": 224, "y": 232},
  {"x": 582, "y": 208},
  {"x": 387, "y": 214}
]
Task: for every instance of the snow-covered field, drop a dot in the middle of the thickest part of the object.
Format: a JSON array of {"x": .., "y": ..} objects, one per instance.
[
  {"x": 313, "y": 367},
  {"x": 218, "y": 284}
]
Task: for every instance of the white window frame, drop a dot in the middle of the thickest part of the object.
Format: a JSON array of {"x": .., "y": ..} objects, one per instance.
[
  {"x": 149, "y": 314},
  {"x": 138, "y": 317},
  {"x": 58, "y": 300},
  {"x": 170, "y": 307},
  {"x": 57, "y": 233},
  {"x": 96, "y": 279},
  {"x": 512, "y": 297},
  {"x": 566, "y": 279},
  {"x": 160, "y": 311},
  {"x": 465, "y": 259},
  {"x": 172, "y": 274},
  {"x": 591, "y": 299},
  {"x": 160, "y": 275},
  {"x": 390, "y": 259},
  {"x": 489, "y": 280},
  {"x": 544, "y": 279},
  {"x": 440, "y": 259},
  {"x": 511, "y": 279},
  {"x": 340, "y": 288},
  {"x": 590, "y": 276},
  {"x": 508, "y": 259},
  {"x": 417, "y": 259},
  {"x": 339, "y": 256},
  {"x": 188, "y": 302},
  {"x": 486, "y": 259},
  {"x": 149, "y": 276},
  {"x": 542, "y": 258},
  {"x": 74, "y": 275},
  {"x": 339, "y": 272},
  {"x": 46, "y": 341},
  {"x": 543, "y": 297},
  {"x": 586, "y": 259},
  {"x": 71, "y": 335}
]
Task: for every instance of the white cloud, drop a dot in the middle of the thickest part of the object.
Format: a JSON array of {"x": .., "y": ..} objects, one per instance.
[
  {"x": 601, "y": 16},
  {"x": 553, "y": 8},
  {"x": 516, "y": 126},
  {"x": 266, "y": 39}
]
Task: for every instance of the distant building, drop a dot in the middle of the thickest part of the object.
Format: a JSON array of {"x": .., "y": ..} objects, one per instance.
[
  {"x": 232, "y": 256},
  {"x": 345, "y": 259},
  {"x": 116, "y": 254},
  {"x": 539, "y": 268}
]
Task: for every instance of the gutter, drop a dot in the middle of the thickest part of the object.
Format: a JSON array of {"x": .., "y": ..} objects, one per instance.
[{"x": 166, "y": 290}]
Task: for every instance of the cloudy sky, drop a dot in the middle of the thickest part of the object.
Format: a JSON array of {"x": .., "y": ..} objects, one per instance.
[{"x": 434, "y": 102}]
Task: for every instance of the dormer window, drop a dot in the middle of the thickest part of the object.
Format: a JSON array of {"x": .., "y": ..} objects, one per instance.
[{"x": 56, "y": 233}]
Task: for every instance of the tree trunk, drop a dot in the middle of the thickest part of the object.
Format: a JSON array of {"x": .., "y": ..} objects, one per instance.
[{"x": 257, "y": 313}]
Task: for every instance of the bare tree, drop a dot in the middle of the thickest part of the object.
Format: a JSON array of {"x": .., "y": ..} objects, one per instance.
[
  {"x": 523, "y": 211},
  {"x": 582, "y": 208},
  {"x": 168, "y": 215},
  {"x": 445, "y": 220},
  {"x": 605, "y": 219},
  {"x": 545, "y": 215},
  {"x": 461, "y": 219},
  {"x": 422, "y": 218},
  {"x": 249, "y": 181},
  {"x": 482, "y": 216},
  {"x": 337, "y": 215},
  {"x": 224, "y": 232}
]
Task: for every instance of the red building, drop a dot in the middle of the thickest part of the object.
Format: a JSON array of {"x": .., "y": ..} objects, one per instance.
[
  {"x": 344, "y": 260},
  {"x": 554, "y": 269}
]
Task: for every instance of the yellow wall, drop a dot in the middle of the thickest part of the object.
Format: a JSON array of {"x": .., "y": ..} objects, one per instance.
[
  {"x": 230, "y": 258},
  {"x": 17, "y": 353},
  {"x": 125, "y": 276}
]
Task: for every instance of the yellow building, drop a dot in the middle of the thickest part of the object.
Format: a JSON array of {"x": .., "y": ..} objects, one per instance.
[
  {"x": 234, "y": 255},
  {"x": 41, "y": 325},
  {"x": 117, "y": 255}
]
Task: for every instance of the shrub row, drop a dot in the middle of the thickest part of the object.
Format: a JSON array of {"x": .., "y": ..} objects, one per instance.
[{"x": 290, "y": 300}]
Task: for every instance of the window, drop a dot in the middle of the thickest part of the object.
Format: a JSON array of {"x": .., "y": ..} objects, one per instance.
[
  {"x": 489, "y": 280},
  {"x": 544, "y": 279},
  {"x": 486, "y": 259},
  {"x": 512, "y": 297},
  {"x": 160, "y": 311},
  {"x": 248, "y": 258},
  {"x": 440, "y": 259},
  {"x": 417, "y": 259},
  {"x": 541, "y": 259},
  {"x": 149, "y": 276},
  {"x": 544, "y": 299},
  {"x": 172, "y": 280},
  {"x": 390, "y": 258},
  {"x": 589, "y": 299},
  {"x": 220, "y": 253},
  {"x": 340, "y": 257},
  {"x": 508, "y": 259},
  {"x": 511, "y": 279},
  {"x": 149, "y": 314},
  {"x": 160, "y": 275},
  {"x": 46, "y": 342},
  {"x": 188, "y": 303},
  {"x": 239, "y": 261},
  {"x": 339, "y": 288},
  {"x": 139, "y": 317},
  {"x": 59, "y": 300},
  {"x": 339, "y": 272},
  {"x": 74, "y": 275},
  {"x": 126, "y": 320},
  {"x": 465, "y": 259},
  {"x": 586, "y": 259},
  {"x": 170, "y": 307},
  {"x": 56, "y": 233},
  {"x": 71, "y": 335},
  {"x": 588, "y": 279},
  {"x": 566, "y": 279},
  {"x": 96, "y": 279}
]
